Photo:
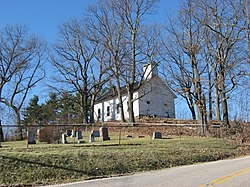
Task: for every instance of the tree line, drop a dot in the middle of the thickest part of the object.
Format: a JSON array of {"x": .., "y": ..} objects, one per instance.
[{"x": 203, "y": 54}]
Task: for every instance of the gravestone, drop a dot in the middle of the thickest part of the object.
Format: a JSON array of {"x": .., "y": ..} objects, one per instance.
[
  {"x": 96, "y": 133},
  {"x": 73, "y": 133},
  {"x": 79, "y": 134},
  {"x": 157, "y": 135},
  {"x": 31, "y": 137},
  {"x": 91, "y": 137},
  {"x": 64, "y": 139},
  {"x": 104, "y": 134},
  {"x": 68, "y": 132}
]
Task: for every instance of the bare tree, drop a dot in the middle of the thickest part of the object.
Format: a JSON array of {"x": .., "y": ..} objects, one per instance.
[
  {"x": 22, "y": 57},
  {"x": 104, "y": 21},
  {"x": 120, "y": 24},
  {"x": 223, "y": 21},
  {"x": 132, "y": 12},
  {"x": 80, "y": 63},
  {"x": 184, "y": 51}
]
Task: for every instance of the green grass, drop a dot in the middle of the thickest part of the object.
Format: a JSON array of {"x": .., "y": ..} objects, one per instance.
[{"x": 56, "y": 163}]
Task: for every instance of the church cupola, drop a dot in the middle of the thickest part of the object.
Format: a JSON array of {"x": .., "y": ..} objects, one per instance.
[{"x": 150, "y": 70}]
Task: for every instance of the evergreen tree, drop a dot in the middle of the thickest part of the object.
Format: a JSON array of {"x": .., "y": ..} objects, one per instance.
[
  {"x": 51, "y": 109},
  {"x": 68, "y": 109},
  {"x": 32, "y": 113}
]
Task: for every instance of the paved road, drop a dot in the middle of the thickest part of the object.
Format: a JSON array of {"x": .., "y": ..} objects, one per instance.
[{"x": 228, "y": 173}]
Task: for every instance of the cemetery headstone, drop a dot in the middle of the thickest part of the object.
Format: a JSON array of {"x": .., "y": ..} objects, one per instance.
[
  {"x": 68, "y": 132},
  {"x": 31, "y": 137},
  {"x": 79, "y": 134},
  {"x": 96, "y": 133},
  {"x": 73, "y": 133},
  {"x": 64, "y": 139},
  {"x": 157, "y": 135},
  {"x": 104, "y": 135},
  {"x": 92, "y": 137}
]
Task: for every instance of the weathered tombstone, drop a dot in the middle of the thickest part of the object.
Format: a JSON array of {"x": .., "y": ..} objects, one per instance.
[
  {"x": 31, "y": 137},
  {"x": 73, "y": 133},
  {"x": 92, "y": 137},
  {"x": 157, "y": 135},
  {"x": 96, "y": 133},
  {"x": 68, "y": 132},
  {"x": 79, "y": 134},
  {"x": 104, "y": 135},
  {"x": 64, "y": 139}
]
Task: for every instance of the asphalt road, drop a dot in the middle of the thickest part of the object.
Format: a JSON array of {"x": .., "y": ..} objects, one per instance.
[{"x": 228, "y": 173}]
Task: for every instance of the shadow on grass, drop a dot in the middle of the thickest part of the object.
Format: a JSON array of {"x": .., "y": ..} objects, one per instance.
[
  {"x": 45, "y": 164},
  {"x": 109, "y": 145}
]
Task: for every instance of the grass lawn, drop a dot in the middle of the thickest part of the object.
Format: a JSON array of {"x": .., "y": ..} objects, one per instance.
[{"x": 42, "y": 164}]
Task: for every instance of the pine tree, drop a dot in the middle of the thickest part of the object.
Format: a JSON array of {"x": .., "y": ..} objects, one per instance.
[{"x": 32, "y": 113}]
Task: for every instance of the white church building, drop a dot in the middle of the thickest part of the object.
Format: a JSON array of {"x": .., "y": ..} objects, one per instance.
[{"x": 153, "y": 98}]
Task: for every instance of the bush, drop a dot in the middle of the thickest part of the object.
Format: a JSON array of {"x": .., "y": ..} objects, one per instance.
[{"x": 48, "y": 135}]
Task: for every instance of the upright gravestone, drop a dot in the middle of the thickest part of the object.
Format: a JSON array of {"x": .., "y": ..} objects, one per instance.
[
  {"x": 64, "y": 138},
  {"x": 68, "y": 132},
  {"x": 31, "y": 137},
  {"x": 96, "y": 133},
  {"x": 73, "y": 133},
  {"x": 157, "y": 135},
  {"x": 79, "y": 134},
  {"x": 104, "y": 135},
  {"x": 92, "y": 137}
]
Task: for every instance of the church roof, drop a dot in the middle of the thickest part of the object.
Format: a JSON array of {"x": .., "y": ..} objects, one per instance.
[{"x": 113, "y": 93}]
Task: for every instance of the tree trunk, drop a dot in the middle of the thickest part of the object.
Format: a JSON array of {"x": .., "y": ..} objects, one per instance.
[
  {"x": 1, "y": 132},
  {"x": 225, "y": 121},
  {"x": 92, "y": 103},
  {"x": 130, "y": 107},
  {"x": 204, "y": 112},
  {"x": 120, "y": 101},
  {"x": 84, "y": 107},
  {"x": 216, "y": 96},
  {"x": 190, "y": 103},
  {"x": 18, "y": 121},
  {"x": 192, "y": 109},
  {"x": 210, "y": 100}
]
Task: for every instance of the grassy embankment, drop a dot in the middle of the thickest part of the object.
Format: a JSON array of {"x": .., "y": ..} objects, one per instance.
[{"x": 56, "y": 163}]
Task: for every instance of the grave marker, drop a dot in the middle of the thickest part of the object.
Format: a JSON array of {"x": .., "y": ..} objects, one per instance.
[
  {"x": 79, "y": 134},
  {"x": 91, "y": 138},
  {"x": 64, "y": 139},
  {"x": 157, "y": 135},
  {"x": 104, "y": 135},
  {"x": 31, "y": 137},
  {"x": 96, "y": 133}
]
